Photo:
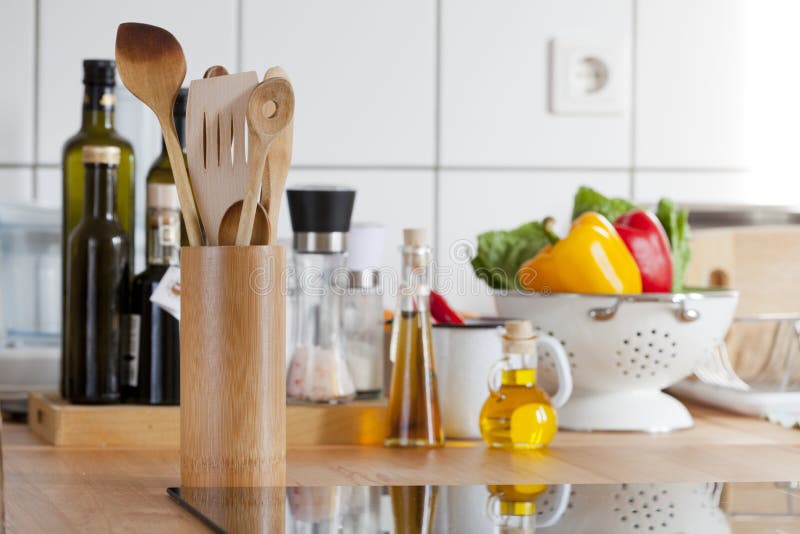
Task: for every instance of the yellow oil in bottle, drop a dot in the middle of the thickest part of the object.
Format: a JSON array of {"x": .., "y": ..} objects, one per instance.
[
  {"x": 519, "y": 414},
  {"x": 413, "y": 508},
  {"x": 414, "y": 416}
]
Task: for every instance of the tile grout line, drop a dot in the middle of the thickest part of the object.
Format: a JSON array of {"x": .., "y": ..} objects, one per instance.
[
  {"x": 634, "y": 58},
  {"x": 239, "y": 36},
  {"x": 37, "y": 10},
  {"x": 437, "y": 124}
]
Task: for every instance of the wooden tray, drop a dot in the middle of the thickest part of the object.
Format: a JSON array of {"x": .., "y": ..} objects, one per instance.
[{"x": 63, "y": 424}]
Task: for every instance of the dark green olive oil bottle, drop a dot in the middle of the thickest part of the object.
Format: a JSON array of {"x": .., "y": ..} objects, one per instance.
[
  {"x": 97, "y": 281},
  {"x": 97, "y": 128}
]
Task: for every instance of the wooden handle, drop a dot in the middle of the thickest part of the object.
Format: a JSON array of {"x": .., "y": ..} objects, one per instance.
[
  {"x": 185, "y": 196},
  {"x": 233, "y": 367},
  {"x": 279, "y": 160},
  {"x": 255, "y": 168}
]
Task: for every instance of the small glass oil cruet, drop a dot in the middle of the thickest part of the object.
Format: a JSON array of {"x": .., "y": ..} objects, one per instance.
[
  {"x": 518, "y": 414},
  {"x": 512, "y": 509}
]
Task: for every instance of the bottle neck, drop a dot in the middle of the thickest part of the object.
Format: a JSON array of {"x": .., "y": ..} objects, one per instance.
[
  {"x": 520, "y": 370},
  {"x": 98, "y": 108},
  {"x": 180, "y": 129},
  {"x": 163, "y": 236},
  {"x": 415, "y": 283},
  {"x": 100, "y": 191}
]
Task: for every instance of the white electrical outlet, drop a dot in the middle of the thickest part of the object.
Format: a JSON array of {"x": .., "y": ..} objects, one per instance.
[{"x": 587, "y": 78}]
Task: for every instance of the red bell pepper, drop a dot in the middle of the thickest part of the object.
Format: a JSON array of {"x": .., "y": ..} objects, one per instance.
[
  {"x": 441, "y": 312},
  {"x": 648, "y": 243}
]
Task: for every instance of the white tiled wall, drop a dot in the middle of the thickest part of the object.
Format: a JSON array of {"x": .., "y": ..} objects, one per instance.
[{"x": 437, "y": 110}]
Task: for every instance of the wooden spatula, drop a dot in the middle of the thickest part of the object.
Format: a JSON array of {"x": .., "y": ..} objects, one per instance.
[{"x": 215, "y": 120}]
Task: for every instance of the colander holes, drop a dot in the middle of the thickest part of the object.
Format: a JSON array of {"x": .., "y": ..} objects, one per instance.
[
  {"x": 636, "y": 525},
  {"x": 664, "y": 525},
  {"x": 660, "y": 351},
  {"x": 623, "y": 518},
  {"x": 631, "y": 500},
  {"x": 619, "y": 364},
  {"x": 633, "y": 360},
  {"x": 643, "y": 366},
  {"x": 638, "y": 375},
  {"x": 619, "y": 353},
  {"x": 648, "y": 516},
  {"x": 646, "y": 356},
  {"x": 569, "y": 506},
  {"x": 546, "y": 502},
  {"x": 644, "y": 505},
  {"x": 674, "y": 343},
  {"x": 673, "y": 355},
  {"x": 666, "y": 335},
  {"x": 571, "y": 354},
  {"x": 653, "y": 331},
  {"x": 656, "y": 362},
  {"x": 638, "y": 334},
  {"x": 625, "y": 373},
  {"x": 550, "y": 333},
  {"x": 666, "y": 366},
  {"x": 624, "y": 341},
  {"x": 636, "y": 349},
  {"x": 671, "y": 515},
  {"x": 652, "y": 373}
]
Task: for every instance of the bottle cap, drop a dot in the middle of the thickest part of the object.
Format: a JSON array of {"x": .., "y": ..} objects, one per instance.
[
  {"x": 415, "y": 237},
  {"x": 99, "y": 72},
  {"x": 101, "y": 154},
  {"x": 519, "y": 338},
  {"x": 320, "y": 209},
  {"x": 163, "y": 196}
]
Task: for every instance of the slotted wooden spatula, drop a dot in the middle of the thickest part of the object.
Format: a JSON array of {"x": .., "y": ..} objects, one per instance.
[{"x": 215, "y": 144}]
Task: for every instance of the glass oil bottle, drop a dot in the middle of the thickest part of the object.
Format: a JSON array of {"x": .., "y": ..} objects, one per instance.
[
  {"x": 512, "y": 508},
  {"x": 414, "y": 415},
  {"x": 518, "y": 414}
]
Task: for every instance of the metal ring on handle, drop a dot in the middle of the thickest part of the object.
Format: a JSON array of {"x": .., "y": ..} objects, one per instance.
[
  {"x": 562, "y": 370},
  {"x": 683, "y": 313}
]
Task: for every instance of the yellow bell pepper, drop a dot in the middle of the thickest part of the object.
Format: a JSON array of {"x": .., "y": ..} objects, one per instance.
[{"x": 591, "y": 259}]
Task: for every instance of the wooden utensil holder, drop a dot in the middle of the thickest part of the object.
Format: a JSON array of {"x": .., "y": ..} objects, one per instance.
[{"x": 233, "y": 378}]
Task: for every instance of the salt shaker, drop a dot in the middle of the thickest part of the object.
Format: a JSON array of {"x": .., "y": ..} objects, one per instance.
[
  {"x": 318, "y": 371},
  {"x": 363, "y": 309}
]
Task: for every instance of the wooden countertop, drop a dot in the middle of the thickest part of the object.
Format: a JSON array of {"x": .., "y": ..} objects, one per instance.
[{"x": 50, "y": 489}]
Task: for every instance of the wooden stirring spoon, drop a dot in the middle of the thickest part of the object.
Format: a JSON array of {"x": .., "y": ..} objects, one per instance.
[
  {"x": 269, "y": 110},
  {"x": 152, "y": 66},
  {"x": 277, "y": 169}
]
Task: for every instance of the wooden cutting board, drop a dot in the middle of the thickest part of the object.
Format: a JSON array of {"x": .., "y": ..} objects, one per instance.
[
  {"x": 63, "y": 424},
  {"x": 762, "y": 262}
]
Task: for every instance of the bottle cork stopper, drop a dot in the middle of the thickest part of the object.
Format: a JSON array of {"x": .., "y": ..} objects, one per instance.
[
  {"x": 103, "y": 154},
  {"x": 519, "y": 338},
  {"x": 415, "y": 237}
]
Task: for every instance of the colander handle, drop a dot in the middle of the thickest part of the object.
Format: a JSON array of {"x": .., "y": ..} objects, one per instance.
[
  {"x": 562, "y": 370},
  {"x": 682, "y": 311}
]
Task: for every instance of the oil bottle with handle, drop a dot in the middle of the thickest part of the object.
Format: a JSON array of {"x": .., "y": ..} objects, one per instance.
[
  {"x": 518, "y": 414},
  {"x": 414, "y": 413}
]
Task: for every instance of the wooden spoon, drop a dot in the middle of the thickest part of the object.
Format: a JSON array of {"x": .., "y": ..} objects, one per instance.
[
  {"x": 277, "y": 169},
  {"x": 152, "y": 66},
  {"x": 229, "y": 226},
  {"x": 269, "y": 110}
]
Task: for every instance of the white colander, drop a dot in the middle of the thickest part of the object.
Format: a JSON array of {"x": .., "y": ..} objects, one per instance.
[
  {"x": 639, "y": 509},
  {"x": 623, "y": 350}
]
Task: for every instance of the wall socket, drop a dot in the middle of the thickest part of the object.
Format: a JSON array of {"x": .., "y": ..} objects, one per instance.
[{"x": 587, "y": 78}]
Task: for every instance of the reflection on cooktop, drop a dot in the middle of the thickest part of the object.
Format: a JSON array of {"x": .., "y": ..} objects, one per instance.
[{"x": 707, "y": 508}]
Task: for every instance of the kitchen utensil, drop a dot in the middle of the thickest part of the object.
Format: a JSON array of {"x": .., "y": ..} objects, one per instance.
[
  {"x": 464, "y": 356},
  {"x": 152, "y": 66},
  {"x": 278, "y": 162},
  {"x": 214, "y": 71},
  {"x": 623, "y": 349},
  {"x": 269, "y": 109},
  {"x": 229, "y": 226},
  {"x": 233, "y": 397},
  {"x": 215, "y": 144}
]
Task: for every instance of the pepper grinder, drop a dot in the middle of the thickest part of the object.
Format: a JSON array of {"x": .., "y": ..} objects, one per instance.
[{"x": 318, "y": 371}]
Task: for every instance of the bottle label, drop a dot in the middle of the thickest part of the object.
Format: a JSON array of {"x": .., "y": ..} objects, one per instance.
[
  {"x": 168, "y": 292},
  {"x": 130, "y": 349}
]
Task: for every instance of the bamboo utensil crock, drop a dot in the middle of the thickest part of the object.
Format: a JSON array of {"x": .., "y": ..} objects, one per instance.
[{"x": 233, "y": 391}]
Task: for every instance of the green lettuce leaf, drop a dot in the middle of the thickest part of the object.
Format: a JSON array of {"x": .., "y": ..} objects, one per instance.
[
  {"x": 587, "y": 199},
  {"x": 676, "y": 223},
  {"x": 501, "y": 253}
]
